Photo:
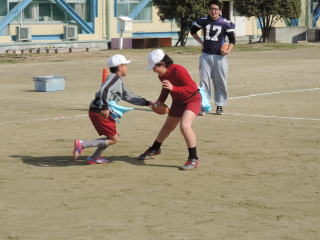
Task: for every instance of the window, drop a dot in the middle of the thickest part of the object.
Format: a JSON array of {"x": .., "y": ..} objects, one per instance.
[
  {"x": 3, "y": 7},
  {"x": 126, "y": 6},
  {"x": 314, "y": 4},
  {"x": 146, "y": 13},
  {"x": 57, "y": 13},
  {"x": 123, "y": 10},
  {"x": 30, "y": 13},
  {"x": 47, "y": 11},
  {"x": 11, "y": 6},
  {"x": 82, "y": 9},
  {"x": 69, "y": 18}
]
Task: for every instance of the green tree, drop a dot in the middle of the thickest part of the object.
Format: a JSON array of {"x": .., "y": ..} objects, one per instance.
[
  {"x": 184, "y": 12},
  {"x": 269, "y": 12}
]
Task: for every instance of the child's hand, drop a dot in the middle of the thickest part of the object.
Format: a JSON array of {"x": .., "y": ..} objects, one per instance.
[
  {"x": 150, "y": 103},
  {"x": 167, "y": 85},
  {"x": 105, "y": 113},
  {"x": 225, "y": 52},
  {"x": 154, "y": 103}
]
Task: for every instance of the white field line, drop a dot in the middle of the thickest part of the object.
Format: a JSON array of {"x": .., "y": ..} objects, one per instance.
[
  {"x": 247, "y": 120},
  {"x": 45, "y": 119},
  {"x": 278, "y": 92},
  {"x": 270, "y": 116},
  {"x": 232, "y": 98},
  {"x": 272, "y": 93}
]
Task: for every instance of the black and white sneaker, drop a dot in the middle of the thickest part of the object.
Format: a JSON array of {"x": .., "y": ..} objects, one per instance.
[
  {"x": 149, "y": 154},
  {"x": 202, "y": 113},
  {"x": 219, "y": 110}
]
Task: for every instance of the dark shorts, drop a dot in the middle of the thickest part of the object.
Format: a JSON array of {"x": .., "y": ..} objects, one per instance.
[
  {"x": 194, "y": 105},
  {"x": 105, "y": 127}
]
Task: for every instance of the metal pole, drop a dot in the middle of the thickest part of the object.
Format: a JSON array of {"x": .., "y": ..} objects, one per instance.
[
  {"x": 121, "y": 39},
  {"x": 21, "y": 15}
]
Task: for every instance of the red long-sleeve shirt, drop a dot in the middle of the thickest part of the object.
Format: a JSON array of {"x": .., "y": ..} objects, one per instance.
[{"x": 184, "y": 88}]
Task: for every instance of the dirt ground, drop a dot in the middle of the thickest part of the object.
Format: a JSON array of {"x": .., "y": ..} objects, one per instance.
[{"x": 260, "y": 174}]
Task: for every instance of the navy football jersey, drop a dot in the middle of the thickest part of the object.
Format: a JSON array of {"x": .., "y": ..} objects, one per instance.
[{"x": 215, "y": 32}]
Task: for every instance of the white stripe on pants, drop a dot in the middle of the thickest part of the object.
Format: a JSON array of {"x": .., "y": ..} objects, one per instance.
[{"x": 214, "y": 76}]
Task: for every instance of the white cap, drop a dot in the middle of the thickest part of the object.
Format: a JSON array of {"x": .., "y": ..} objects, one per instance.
[
  {"x": 155, "y": 57},
  {"x": 117, "y": 60}
]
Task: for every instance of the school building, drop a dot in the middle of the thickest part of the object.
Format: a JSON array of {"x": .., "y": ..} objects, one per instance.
[{"x": 94, "y": 23}]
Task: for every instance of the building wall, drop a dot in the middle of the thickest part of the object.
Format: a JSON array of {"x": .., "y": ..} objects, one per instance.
[
  {"x": 155, "y": 25},
  {"x": 105, "y": 26},
  {"x": 58, "y": 28},
  {"x": 100, "y": 27}
]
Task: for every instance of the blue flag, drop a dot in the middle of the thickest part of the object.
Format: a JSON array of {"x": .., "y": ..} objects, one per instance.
[
  {"x": 205, "y": 105},
  {"x": 117, "y": 111}
]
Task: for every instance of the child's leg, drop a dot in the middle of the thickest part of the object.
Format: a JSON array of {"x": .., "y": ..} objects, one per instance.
[
  {"x": 79, "y": 146},
  {"x": 100, "y": 142},
  {"x": 220, "y": 80},
  {"x": 186, "y": 128},
  {"x": 170, "y": 124},
  {"x": 190, "y": 138},
  {"x": 113, "y": 140},
  {"x": 206, "y": 65},
  {"x": 110, "y": 141}
]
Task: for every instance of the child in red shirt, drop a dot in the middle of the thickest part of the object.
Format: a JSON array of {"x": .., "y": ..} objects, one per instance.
[{"x": 186, "y": 104}]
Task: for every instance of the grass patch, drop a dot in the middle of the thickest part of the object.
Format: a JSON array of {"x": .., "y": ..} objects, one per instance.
[
  {"x": 10, "y": 58},
  {"x": 4, "y": 61},
  {"x": 238, "y": 48},
  {"x": 58, "y": 60},
  {"x": 272, "y": 46},
  {"x": 65, "y": 57},
  {"x": 246, "y": 48}
]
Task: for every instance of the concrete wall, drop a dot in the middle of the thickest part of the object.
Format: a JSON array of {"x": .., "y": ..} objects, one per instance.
[
  {"x": 313, "y": 35},
  {"x": 288, "y": 34}
]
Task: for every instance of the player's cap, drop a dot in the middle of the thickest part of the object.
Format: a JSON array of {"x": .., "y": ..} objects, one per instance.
[
  {"x": 155, "y": 57},
  {"x": 117, "y": 60}
]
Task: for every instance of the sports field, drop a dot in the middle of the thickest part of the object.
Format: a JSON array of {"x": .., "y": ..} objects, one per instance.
[{"x": 260, "y": 173}]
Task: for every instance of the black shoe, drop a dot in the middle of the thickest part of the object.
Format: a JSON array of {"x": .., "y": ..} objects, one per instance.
[
  {"x": 149, "y": 153},
  {"x": 219, "y": 110}
]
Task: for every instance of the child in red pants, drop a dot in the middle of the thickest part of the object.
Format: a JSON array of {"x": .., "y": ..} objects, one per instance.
[
  {"x": 111, "y": 90},
  {"x": 186, "y": 104}
]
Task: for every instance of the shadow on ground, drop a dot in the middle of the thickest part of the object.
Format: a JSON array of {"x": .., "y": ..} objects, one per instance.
[{"x": 66, "y": 161}]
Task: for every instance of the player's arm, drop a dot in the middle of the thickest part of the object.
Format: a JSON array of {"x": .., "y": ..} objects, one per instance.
[
  {"x": 230, "y": 27},
  {"x": 185, "y": 88},
  {"x": 232, "y": 41},
  {"x": 163, "y": 95},
  {"x": 134, "y": 99},
  {"x": 196, "y": 26},
  {"x": 197, "y": 38}
]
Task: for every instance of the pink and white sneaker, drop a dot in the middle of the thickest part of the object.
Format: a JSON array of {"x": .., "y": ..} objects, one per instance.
[
  {"x": 77, "y": 150},
  {"x": 190, "y": 164},
  {"x": 99, "y": 160}
]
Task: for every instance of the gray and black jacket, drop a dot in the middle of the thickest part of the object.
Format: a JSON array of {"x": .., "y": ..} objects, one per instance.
[{"x": 114, "y": 90}]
